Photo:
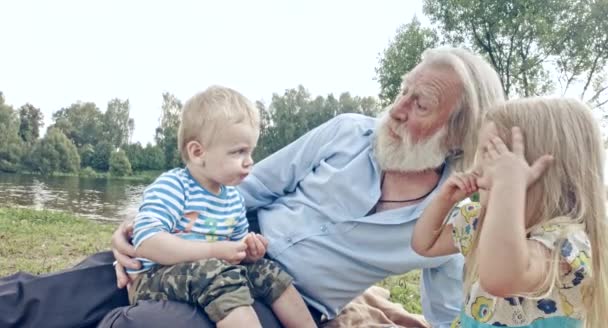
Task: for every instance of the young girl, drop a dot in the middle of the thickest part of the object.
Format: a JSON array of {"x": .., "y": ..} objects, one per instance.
[{"x": 535, "y": 244}]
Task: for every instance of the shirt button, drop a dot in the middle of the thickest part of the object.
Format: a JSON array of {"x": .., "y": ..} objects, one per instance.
[
  {"x": 289, "y": 240},
  {"x": 324, "y": 228}
]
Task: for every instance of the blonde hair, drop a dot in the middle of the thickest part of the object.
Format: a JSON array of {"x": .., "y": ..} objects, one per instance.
[
  {"x": 205, "y": 113},
  {"x": 481, "y": 89},
  {"x": 571, "y": 192}
]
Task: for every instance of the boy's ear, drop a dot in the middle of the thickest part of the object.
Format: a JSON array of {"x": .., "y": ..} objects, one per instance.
[{"x": 195, "y": 149}]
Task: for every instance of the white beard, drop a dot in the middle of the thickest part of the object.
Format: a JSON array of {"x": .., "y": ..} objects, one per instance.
[{"x": 404, "y": 155}]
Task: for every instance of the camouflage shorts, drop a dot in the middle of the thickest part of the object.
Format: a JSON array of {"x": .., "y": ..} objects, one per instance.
[{"x": 215, "y": 285}]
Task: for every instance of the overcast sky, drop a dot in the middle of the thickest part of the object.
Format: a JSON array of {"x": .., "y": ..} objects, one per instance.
[{"x": 58, "y": 52}]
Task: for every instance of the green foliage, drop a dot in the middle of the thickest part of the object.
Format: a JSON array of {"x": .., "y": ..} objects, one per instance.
[
  {"x": 119, "y": 164},
  {"x": 117, "y": 126},
  {"x": 153, "y": 157},
  {"x": 166, "y": 133},
  {"x": 88, "y": 172},
  {"x": 295, "y": 112},
  {"x": 101, "y": 157},
  {"x": 405, "y": 289},
  {"x": 87, "y": 154},
  {"x": 135, "y": 154},
  {"x": 31, "y": 120},
  {"x": 55, "y": 153},
  {"x": 81, "y": 122},
  {"x": 10, "y": 143},
  {"x": 401, "y": 56},
  {"x": 525, "y": 40}
]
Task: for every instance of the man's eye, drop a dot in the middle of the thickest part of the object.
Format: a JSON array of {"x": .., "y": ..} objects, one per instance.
[{"x": 421, "y": 108}]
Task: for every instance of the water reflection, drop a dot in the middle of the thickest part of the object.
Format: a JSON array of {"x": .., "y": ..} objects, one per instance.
[{"x": 103, "y": 199}]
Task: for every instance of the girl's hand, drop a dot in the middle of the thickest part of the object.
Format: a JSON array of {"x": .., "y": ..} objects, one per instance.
[
  {"x": 501, "y": 164},
  {"x": 458, "y": 187}
]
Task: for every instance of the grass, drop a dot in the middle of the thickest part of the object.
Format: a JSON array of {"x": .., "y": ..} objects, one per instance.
[
  {"x": 45, "y": 241},
  {"x": 405, "y": 289}
]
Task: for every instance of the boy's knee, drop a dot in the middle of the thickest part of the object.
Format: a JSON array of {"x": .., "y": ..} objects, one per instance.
[
  {"x": 228, "y": 298},
  {"x": 267, "y": 280}
]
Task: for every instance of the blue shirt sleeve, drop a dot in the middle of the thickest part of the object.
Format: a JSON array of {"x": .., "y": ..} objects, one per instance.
[
  {"x": 161, "y": 208},
  {"x": 441, "y": 292},
  {"x": 280, "y": 173}
]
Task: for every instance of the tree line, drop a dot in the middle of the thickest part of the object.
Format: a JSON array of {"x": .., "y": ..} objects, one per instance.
[
  {"x": 83, "y": 138},
  {"x": 537, "y": 47}
]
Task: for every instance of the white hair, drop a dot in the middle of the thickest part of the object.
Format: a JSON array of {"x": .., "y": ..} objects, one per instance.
[
  {"x": 481, "y": 89},
  {"x": 406, "y": 155}
]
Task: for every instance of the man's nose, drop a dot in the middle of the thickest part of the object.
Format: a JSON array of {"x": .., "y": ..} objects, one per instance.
[{"x": 399, "y": 111}]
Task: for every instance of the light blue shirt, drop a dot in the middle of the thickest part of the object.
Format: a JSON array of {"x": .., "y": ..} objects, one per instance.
[{"x": 313, "y": 197}]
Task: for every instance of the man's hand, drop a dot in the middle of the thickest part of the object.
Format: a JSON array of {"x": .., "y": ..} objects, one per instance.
[
  {"x": 256, "y": 247},
  {"x": 123, "y": 253},
  {"x": 231, "y": 251}
]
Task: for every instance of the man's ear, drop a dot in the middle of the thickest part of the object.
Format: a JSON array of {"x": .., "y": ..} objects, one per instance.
[{"x": 195, "y": 149}]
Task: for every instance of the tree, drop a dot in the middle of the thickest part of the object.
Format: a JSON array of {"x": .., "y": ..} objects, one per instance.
[
  {"x": 81, "y": 122},
  {"x": 166, "y": 133},
  {"x": 10, "y": 143},
  {"x": 153, "y": 157},
  {"x": 119, "y": 164},
  {"x": 402, "y": 55},
  {"x": 117, "y": 126},
  {"x": 135, "y": 154},
  {"x": 101, "y": 158},
  {"x": 87, "y": 155},
  {"x": 529, "y": 40},
  {"x": 31, "y": 120},
  {"x": 294, "y": 113},
  {"x": 55, "y": 153}
]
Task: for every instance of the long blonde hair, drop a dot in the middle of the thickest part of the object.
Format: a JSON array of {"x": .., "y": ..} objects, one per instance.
[{"x": 571, "y": 192}]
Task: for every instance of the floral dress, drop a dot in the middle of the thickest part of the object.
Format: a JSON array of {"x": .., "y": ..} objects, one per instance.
[{"x": 562, "y": 307}]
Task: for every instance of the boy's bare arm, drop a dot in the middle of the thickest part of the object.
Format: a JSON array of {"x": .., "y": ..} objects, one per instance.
[{"x": 167, "y": 249}]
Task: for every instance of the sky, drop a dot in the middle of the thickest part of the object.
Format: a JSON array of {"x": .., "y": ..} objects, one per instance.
[{"x": 55, "y": 53}]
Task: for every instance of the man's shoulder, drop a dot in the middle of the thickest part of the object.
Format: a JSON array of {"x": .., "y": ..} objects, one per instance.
[
  {"x": 351, "y": 122},
  {"x": 355, "y": 119}
]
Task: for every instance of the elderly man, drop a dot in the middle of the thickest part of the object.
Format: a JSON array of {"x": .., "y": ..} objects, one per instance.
[{"x": 339, "y": 204}]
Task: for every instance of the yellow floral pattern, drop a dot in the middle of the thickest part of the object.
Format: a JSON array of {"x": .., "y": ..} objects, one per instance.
[{"x": 565, "y": 301}]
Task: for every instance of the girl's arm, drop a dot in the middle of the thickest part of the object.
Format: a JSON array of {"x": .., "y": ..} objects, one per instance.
[
  {"x": 431, "y": 236},
  {"x": 509, "y": 264}
]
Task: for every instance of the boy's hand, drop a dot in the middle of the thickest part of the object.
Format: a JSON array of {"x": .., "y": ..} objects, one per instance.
[
  {"x": 458, "y": 187},
  {"x": 231, "y": 251},
  {"x": 256, "y": 247}
]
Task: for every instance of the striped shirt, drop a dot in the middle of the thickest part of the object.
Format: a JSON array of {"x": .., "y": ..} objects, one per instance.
[{"x": 178, "y": 204}]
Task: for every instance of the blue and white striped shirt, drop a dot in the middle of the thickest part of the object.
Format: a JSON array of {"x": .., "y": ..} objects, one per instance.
[{"x": 178, "y": 204}]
